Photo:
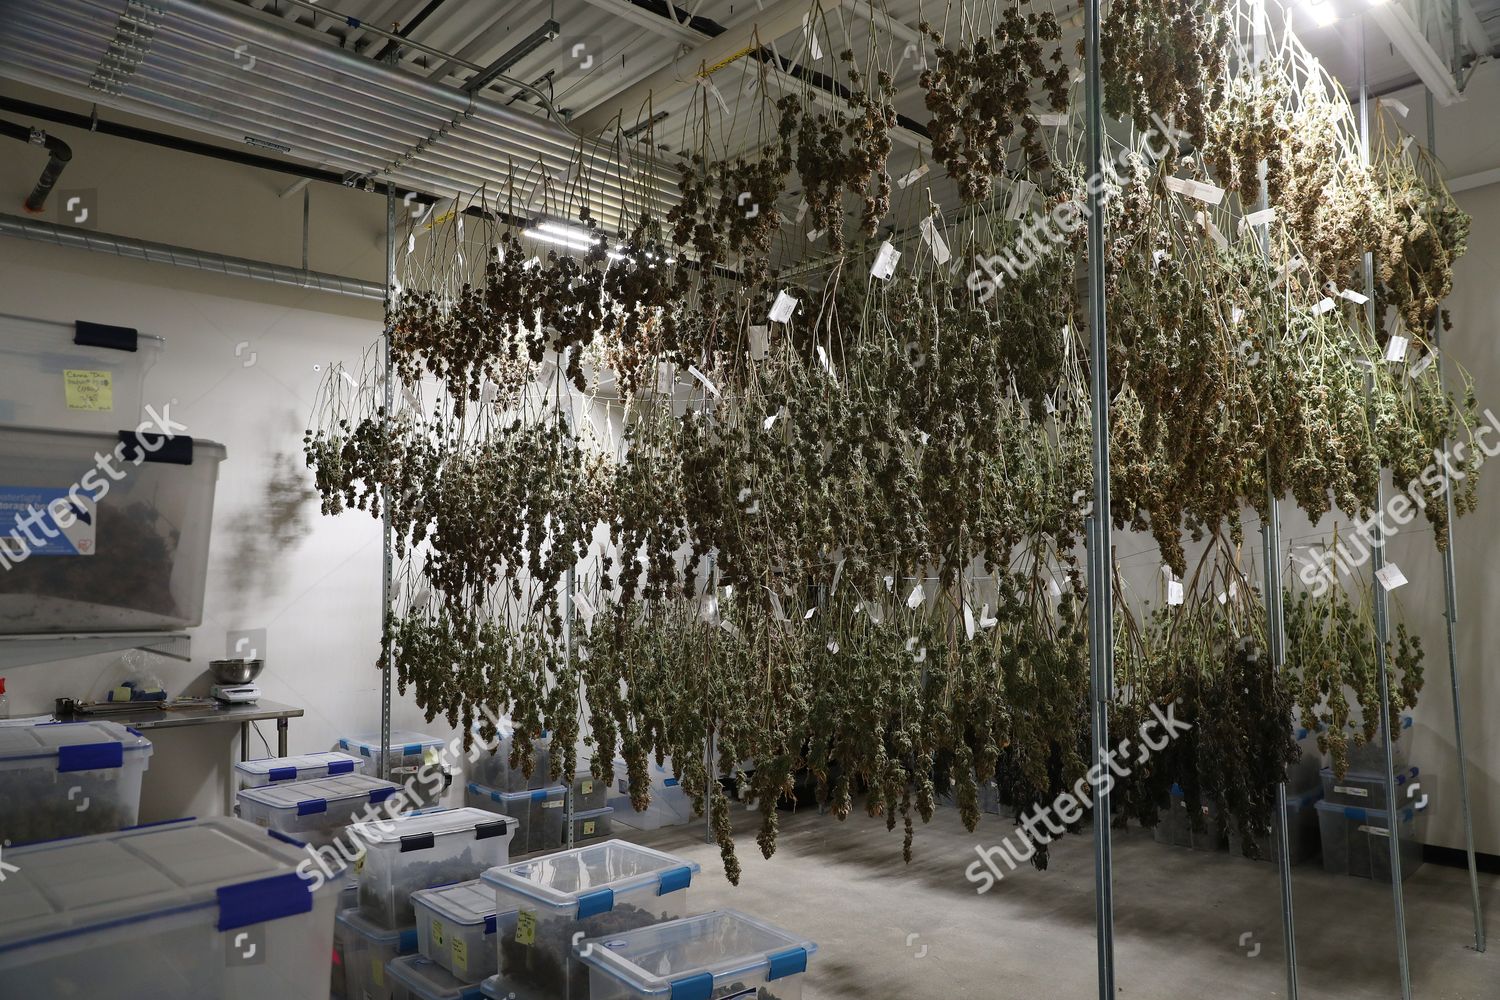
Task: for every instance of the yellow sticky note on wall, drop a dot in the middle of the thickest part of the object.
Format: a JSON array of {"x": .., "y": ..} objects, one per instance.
[{"x": 88, "y": 390}]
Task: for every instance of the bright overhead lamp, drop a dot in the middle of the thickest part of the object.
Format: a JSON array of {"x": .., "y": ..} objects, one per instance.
[
  {"x": 572, "y": 237},
  {"x": 1322, "y": 12}
]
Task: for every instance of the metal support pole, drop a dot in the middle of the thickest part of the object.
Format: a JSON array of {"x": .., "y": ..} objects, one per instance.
[
  {"x": 569, "y": 584},
  {"x": 1275, "y": 610},
  {"x": 1377, "y": 562},
  {"x": 387, "y": 549},
  {"x": 708, "y": 733},
  {"x": 1450, "y": 606},
  {"x": 1100, "y": 579},
  {"x": 306, "y": 226}
]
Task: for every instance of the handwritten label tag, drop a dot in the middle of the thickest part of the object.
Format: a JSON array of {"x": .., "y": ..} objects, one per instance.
[
  {"x": 810, "y": 612},
  {"x": 90, "y": 391},
  {"x": 770, "y": 421},
  {"x": 1395, "y": 349},
  {"x": 1051, "y": 119},
  {"x": 1020, "y": 199},
  {"x": 1174, "y": 592},
  {"x": 783, "y": 307},
  {"x": 934, "y": 239},
  {"x": 1423, "y": 363},
  {"x": 1264, "y": 217},
  {"x": 1324, "y": 305},
  {"x": 914, "y": 175},
  {"x": 885, "y": 261},
  {"x": 915, "y": 598},
  {"x": 1207, "y": 193},
  {"x": 1351, "y": 295},
  {"x": 707, "y": 382},
  {"x": 760, "y": 342},
  {"x": 1390, "y": 576}
]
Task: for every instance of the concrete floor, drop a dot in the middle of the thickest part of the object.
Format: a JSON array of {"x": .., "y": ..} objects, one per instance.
[{"x": 921, "y": 932}]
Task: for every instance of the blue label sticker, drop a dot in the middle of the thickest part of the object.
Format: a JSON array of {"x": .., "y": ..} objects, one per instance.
[{"x": 46, "y": 521}]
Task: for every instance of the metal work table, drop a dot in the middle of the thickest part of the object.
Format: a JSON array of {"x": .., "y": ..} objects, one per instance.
[{"x": 261, "y": 711}]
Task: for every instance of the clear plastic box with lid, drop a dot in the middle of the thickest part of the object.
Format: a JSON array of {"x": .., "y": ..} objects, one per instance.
[
  {"x": 67, "y": 779},
  {"x": 456, "y": 927},
  {"x": 538, "y": 814},
  {"x": 721, "y": 954},
  {"x": 424, "y": 849},
  {"x": 368, "y": 949},
  {"x": 302, "y": 767},
  {"x": 316, "y": 811},
  {"x": 417, "y": 978},
  {"x": 197, "y": 908},
  {"x": 597, "y": 890}
]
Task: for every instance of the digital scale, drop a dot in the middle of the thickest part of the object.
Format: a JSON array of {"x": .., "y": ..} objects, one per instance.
[{"x": 236, "y": 694}]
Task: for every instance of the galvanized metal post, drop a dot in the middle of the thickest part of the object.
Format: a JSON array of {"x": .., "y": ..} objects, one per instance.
[
  {"x": 1275, "y": 610},
  {"x": 1100, "y": 577},
  {"x": 568, "y": 610},
  {"x": 1378, "y": 593},
  {"x": 1450, "y": 606},
  {"x": 387, "y": 549}
]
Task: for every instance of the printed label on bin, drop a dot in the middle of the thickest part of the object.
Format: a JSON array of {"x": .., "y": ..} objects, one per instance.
[
  {"x": 588, "y": 827},
  {"x": 526, "y": 927},
  {"x": 89, "y": 391},
  {"x": 587, "y": 788},
  {"x": 377, "y": 972},
  {"x": 1363, "y": 793},
  {"x": 46, "y": 521},
  {"x": 460, "y": 954},
  {"x": 437, "y": 933}
]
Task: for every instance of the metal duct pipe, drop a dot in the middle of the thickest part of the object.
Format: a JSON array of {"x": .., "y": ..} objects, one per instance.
[
  {"x": 164, "y": 253},
  {"x": 59, "y": 155}
]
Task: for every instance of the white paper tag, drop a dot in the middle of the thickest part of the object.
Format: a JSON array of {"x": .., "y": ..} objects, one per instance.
[
  {"x": 1395, "y": 349},
  {"x": 1174, "y": 592},
  {"x": 1422, "y": 364},
  {"x": 914, "y": 175},
  {"x": 411, "y": 243},
  {"x": 812, "y": 36},
  {"x": 783, "y": 307},
  {"x": 985, "y": 621},
  {"x": 1052, "y": 119},
  {"x": 1324, "y": 305},
  {"x": 1053, "y": 588},
  {"x": 776, "y": 610},
  {"x": 1236, "y": 315},
  {"x": 1212, "y": 228},
  {"x": 801, "y": 211},
  {"x": 885, "y": 261},
  {"x": 728, "y": 627},
  {"x": 760, "y": 342},
  {"x": 1020, "y": 199},
  {"x": 874, "y": 611},
  {"x": 770, "y": 421},
  {"x": 1264, "y": 217},
  {"x": 348, "y": 378},
  {"x": 1353, "y": 296},
  {"x": 1207, "y": 193},
  {"x": 1396, "y": 106},
  {"x": 707, "y": 382},
  {"x": 1390, "y": 576},
  {"x": 968, "y": 622},
  {"x": 814, "y": 235},
  {"x": 890, "y": 583},
  {"x": 666, "y": 376},
  {"x": 1287, "y": 270},
  {"x": 810, "y": 612},
  {"x": 827, "y": 365},
  {"x": 934, "y": 239},
  {"x": 584, "y": 605},
  {"x": 916, "y": 597}
]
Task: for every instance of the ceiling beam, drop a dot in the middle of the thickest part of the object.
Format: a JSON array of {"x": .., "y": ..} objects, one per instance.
[{"x": 665, "y": 24}]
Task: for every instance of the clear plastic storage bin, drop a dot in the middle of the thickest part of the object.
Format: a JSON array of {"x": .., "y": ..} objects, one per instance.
[
  {"x": 493, "y": 770},
  {"x": 66, "y": 779},
  {"x": 304, "y": 767},
  {"x": 456, "y": 927},
  {"x": 600, "y": 890},
  {"x": 316, "y": 811},
  {"x": 1356, "y": 841},
  {"x": 538, "y": 814},
  {"x": 416, "y": 762},
  {"x": 1367, "y": 788},
  {"x": 714, "y": 955},
  {"x": 212, "y": 908},
  {"x": 72, "y": 376},
  {"x": 595, "y": 824},
  {"x": 368, "y": 949},
  {"x": 1172, "y": 826},
  {"x": 1369, "y": 756},
  {"x": 424, "y": 849},
  {"x": 418, "y": 978},
  {"x": 126, "y": 554},
  {"x": 589, "y": 792},
  {"x": 1303, "y": 837}
]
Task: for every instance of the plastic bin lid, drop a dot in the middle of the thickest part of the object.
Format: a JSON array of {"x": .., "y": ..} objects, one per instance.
[
  {"x": 429, "y": 981},
  {"x": 308, "y": 797},
  {"x": 594, "y": 813},
  {"x": 1402, "y": 777},
  {"x": 494, "y": 988},
  {"x": 70, "y": 746},
  {"x": 1363, "y": 815},
  {"x": 404, "y": 939},
  {"x": 236, "y": 871},
  {"x": 421, "y": 830},
  {"x": 695, "y": 956},
  {"x": 289, "y": 768},
  {"x": 466, "y": 904},
  {"x": 518, "y": 798},
  {"x": 588, "y": 878},
  {"x": 403, "y": 742}
]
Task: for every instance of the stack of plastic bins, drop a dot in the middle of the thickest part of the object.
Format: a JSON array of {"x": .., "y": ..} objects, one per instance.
[
  {"x": 419, "y": 978},
  {"x": 589, "y": 793},
  {"x": 538, "y": 814},
  {"x": 138, "y": 559},
  {"x": 493, "y": 770},
  {"x": 456, "y": 928},
  {"x": 1367, "y": 788},
  {"x": 593, "y": 824},
  {"x": 198, "y": 908},
  {"x": 368, "y": 949},
  {"x": 424, "y": 849},
  {"x": 720, "y": 954},
  {"x": 669, "y": 806},
  {"x": 1356, "y": 841},
  {"x": 316, "y": 812},
  {"x": 303, "y": 767},
  {"x": 69, "y": 779},
  {"x": 596, "y": 891},
  {"x": 1301, "y": 829}
]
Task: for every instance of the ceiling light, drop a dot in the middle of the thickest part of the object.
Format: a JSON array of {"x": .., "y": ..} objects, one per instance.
[
  {"x": 572, "y": 237},
  {"x": 1322, "y": 12}
]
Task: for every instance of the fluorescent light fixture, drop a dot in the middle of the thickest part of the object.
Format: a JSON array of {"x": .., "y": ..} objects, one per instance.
[
  {"x": 572, "y": 237},
  {"x": 1322, "y": 12}
]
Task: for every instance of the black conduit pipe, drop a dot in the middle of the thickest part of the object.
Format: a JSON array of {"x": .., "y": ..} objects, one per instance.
[{"x": 59, "y": 155}]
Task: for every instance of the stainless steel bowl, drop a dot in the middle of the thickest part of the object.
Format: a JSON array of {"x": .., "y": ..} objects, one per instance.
[{"x": 235, "y": 671}]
